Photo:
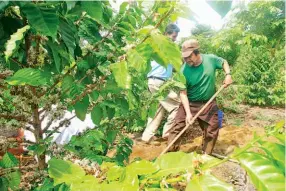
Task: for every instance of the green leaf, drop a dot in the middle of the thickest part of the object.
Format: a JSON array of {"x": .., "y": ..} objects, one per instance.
[
  {"x": 81, "y": 108},
  {"x": 111, "y": 135},
  {"x": 138, "y": 58},
  {"x": 40, "y": 149},
  {"x": 14, "y": 179},
  {"x": 47, "y": 185},
  {"x": 116, "y": 186},
  {"x": 172, "y": 163},
  {"x": 3, "y": 183},
  {"x": 96, "y": 115},
  {"x": 70, "y": 5},
  {"x": 13, "y": 43},
  {"x": 89, "y": 31},
  {"x": 56, "y": 56},
  {"x": 262, "y": 172},
  {"x": 68, "y": 32},
  {"x": 121, "y": 75},
  {"x": 143, "y": 167},
  {"x": 276, "y": 151},
  {"x": 44, "y": 20},
  {"x": 131, "y": 179},
  {"x": 123, "y": 7},
  {"x": 207, "y": 182},
  {"x": 88, "y": 183},
  {"x": 165, "y": 51},
  {"x": 9, "y": 161},
  {"x": 64, "y": 171},
  {"x": 114, "y": 173},
  {"x": 152, "y": 109},
  {"x": 132, "y": 101},
  {"x": 94, "y": 95},
  {"x": 132, "y": 20},
  {"x": 93, "y": 9},
  {"x": 110, "y": 112},
  {"x": 67, "y": 83},
  {"x": 30, "y": 76}
]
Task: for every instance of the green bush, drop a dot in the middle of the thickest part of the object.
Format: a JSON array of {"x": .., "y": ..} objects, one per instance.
[{"x": 262, "y": 75}]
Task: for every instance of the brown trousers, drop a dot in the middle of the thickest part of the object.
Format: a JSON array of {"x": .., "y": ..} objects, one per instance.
[{"x": 208, "y": 121}]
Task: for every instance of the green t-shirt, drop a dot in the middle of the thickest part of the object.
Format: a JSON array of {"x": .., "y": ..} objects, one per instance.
[{"x": 200, "y": 80}]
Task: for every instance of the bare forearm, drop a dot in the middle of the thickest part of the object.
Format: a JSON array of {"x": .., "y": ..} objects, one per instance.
[
  {"x": 228, "y": 80},
  {"x": 226, "y": 67},
  {"x": 185, "y": 102}
]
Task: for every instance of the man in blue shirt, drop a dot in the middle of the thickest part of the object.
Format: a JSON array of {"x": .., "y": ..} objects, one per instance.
[{"x": 156, "y": 78}]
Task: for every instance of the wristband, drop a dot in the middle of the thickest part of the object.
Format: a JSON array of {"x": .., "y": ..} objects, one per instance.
[{"x": 227, "y": 74}]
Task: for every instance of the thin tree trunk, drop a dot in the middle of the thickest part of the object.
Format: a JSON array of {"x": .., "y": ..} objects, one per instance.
[{"x": 38, "y": 132}]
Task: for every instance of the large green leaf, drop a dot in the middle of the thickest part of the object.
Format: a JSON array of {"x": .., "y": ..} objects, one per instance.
[
  {"x": 165, "y": 51},
  {"x": 116, "y": 186},
  {"x": 121, "y": 75},
  {"x": 138, "y": 58},
  {"x": 81, "y": 108},
  {"x": 30, "y": 76},
  {"x": 64, "y": 171},
  {"x": 143, "y": 167},
  {"x": 55, "y": 51},
  {"x": 89, "y": 31},
  {"x": 14, "y": 179},
  {"x": 68, "y": 32},
  {"x": 131, "y": 179},
  {"x": 67, "y": 83},
  {"x": 114, "y": 173},
  {"x": 276, "y": 151},
  {"x": 207, "y": 182},
  {"x": 96, "y": 114},
  {"x": 13, "y": 43},
  {"x": 263, "y": 173},
  {"x": 93, "y": 9},
  {"x": 88, "y": 183},
  {"x": 8, "y": 161},
  {"x": 44, "y": 20},
  {"x": 172, "y": 163}
]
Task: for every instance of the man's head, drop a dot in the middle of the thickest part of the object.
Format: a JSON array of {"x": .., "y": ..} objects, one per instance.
[
  {"x": 172, "y": 31},
  {"x": 190, "y": 52}
]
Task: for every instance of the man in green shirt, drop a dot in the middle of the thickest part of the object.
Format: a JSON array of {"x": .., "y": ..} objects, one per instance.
[{"x": 199, "y": 71}]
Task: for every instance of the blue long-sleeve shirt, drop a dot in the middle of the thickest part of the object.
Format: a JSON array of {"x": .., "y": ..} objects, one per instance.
[{"x": 160, "y": 71}]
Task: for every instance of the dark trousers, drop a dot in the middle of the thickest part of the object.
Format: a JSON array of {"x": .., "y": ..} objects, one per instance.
[{"x": 208, "y": 121}]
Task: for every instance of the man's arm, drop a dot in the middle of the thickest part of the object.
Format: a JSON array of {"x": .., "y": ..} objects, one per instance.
[
  {"x": 185, "y": 102},
  {"x": 227, "y": 81}
]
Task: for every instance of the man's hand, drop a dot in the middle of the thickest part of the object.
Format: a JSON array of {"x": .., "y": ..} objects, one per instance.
[
  {"x": 227, "y": 81},
  {"x": 189, "y": 118}
]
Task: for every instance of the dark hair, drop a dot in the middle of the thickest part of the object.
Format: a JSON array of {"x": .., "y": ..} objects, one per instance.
[
  {"x": 196, "y": 52},
  {"x": 171, "y": 28}
]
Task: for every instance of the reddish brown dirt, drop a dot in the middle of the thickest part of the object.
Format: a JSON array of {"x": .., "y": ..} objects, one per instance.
[{"x": 238, "y": 129}]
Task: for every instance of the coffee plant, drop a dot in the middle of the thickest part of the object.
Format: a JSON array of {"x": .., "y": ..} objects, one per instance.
[{"x": 82, "y": 57}]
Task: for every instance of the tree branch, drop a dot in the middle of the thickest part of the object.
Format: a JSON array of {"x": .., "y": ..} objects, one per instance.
[
  {"x": 59, "y": 126},
  {"x": 88, "y": 90},
  {"x": 16, "y": 61},
  {"x": 58, "y": 81},
  {"x": 47, "y": 126},
  {"x": 18, "y": 118},
  {"x": 159, "y": 23}
]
